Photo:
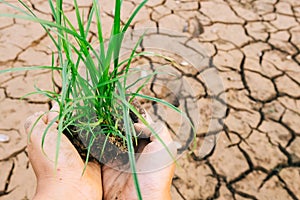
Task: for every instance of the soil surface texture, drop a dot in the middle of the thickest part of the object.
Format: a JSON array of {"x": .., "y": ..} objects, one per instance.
[{"x": 254, "y": 45}]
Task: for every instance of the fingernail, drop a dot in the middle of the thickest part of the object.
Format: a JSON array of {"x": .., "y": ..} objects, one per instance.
[{"x": 27, "y": 124}]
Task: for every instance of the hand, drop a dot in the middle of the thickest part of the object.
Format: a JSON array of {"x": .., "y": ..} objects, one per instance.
[
  {"x": 155, "y": 169},
  {"x": 66, "y": 180}
]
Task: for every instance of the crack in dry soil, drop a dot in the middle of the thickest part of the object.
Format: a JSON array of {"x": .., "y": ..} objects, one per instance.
[{"x": 257, "y": 41}]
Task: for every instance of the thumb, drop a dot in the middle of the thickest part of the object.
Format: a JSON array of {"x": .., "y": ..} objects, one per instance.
[
  {"x": 159, "y": 153},
  {"x": 42, "y": 147}
]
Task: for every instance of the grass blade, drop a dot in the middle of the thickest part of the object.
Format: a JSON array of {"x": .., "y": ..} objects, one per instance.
[
  {"x": 128, "y": 128},
  {"x": 135, "y": 12},
  {"x": 79, "y": 20},
  {"x": 100, "y": 34},
  {"x": 18, "y": 69}
]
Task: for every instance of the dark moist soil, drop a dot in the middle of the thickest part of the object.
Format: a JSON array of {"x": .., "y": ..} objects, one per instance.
[{"x": 114, "y": 149}]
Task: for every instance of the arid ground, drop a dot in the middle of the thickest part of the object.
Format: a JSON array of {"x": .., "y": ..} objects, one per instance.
[{"x": 255, "y": 47}]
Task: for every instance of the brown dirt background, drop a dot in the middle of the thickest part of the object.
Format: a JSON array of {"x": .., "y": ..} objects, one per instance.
[{"x": 254, "y": 45}]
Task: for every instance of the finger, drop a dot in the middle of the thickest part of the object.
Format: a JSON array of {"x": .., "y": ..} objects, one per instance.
[
  {"x": 42, "y": 157},
  {"x": 148, "y": 118},
  {"x": 160, "y": 152},
  {"x": 156, "y": 156},
  {"x": 35, "y": 126},
  {"x": 37, "y": 119},
  {"x": 53, "y": 113},
  {"x": 142, "y": 130},
  {"x": 94, "y": 166},
  {"x": 160, "y": 138},
  {"x": 157, "y": 132},
  {"x": 161, "y": 133}
]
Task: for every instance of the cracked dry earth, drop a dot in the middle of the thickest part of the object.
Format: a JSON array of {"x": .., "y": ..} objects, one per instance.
[{"x": 253, "y": 44}]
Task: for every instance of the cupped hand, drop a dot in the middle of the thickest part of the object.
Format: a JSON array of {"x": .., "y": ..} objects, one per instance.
[
  {"x": 65, "y": 181},
  {"x": 155, "y": 168}
]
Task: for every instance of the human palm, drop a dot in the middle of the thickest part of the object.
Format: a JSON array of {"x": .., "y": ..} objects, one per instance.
[
  {"x": 155, "y": 168},
  {"x": 65, "y": 180}
]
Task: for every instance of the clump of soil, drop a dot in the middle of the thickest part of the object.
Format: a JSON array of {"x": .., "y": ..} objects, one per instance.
[{"x": 114, "y": 146}]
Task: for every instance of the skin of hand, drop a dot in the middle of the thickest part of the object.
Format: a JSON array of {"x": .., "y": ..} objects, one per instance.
[
  {"x": 155, "y": 169},
  {"x": 66, "y": 180}
]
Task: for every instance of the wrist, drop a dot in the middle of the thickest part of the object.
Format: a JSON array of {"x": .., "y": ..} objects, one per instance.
[
  {"x": 61, "y": 190},
  {"x": 49, "y": 190},
  {"x": 161, "y": 196}
]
